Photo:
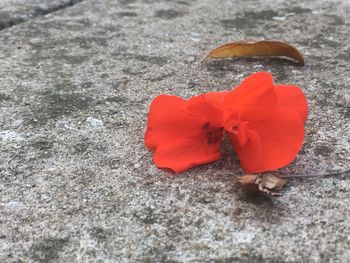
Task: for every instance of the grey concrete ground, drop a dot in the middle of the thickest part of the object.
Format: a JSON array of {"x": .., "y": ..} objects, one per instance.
[{"x": 78, "y": 185}]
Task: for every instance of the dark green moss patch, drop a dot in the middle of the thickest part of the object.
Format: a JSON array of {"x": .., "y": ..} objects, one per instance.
[
  {"x": 248, "y": 20},
  {"x": 4, "y": 97},
  {"x": 169, "y": 14},
  {"x": 100, "y": 234},
  {"x": 56, "y": 105},
  {"x": 323, "y": 150},
  {"x": 47, "y": 250}
]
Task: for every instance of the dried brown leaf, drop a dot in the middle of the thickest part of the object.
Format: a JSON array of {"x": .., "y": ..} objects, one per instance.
[
  {"x": 248, "y": 182},
  {"x": 264, "y": 48},
  {"x": 266, "y": 183},
  {"x": 272, "y": 182}
]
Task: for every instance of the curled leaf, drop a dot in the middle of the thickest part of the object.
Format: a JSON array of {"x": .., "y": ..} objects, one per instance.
[
  {"x": 266, "y": 183},
  {"x": 248, "y": 182},
  {"x": 265, "y": 48}
]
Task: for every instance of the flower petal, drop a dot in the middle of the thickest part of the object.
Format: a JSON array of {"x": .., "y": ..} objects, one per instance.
[
  {"x": 169, "y": 119},
  {"x": 281, "y": 138},
  {"x": 292, "y": 97},
  {"x": 184, "y": 153},
  {"x": 210, "y": 110},
  {"x": 254, "y": 99},
  {"x": 217, "y": 97}
]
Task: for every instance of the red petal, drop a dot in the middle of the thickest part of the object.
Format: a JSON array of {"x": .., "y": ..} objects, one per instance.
[
  {"x": 169, "y": 119},
  {"x": 254, "y": 99},
  {"x": 217, "y": 97},
  {"x": 184, "y": 153},
  {"x": 242, "y": 133},
  {"x": 292, "y": 97},
  {"x": 210, "y": 110},
  {"x": 281, "y": 138}
]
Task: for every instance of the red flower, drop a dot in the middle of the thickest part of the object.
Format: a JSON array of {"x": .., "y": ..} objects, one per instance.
[
  {"x": 184, "y": 134},
  {"x": 264, "y": 122}
]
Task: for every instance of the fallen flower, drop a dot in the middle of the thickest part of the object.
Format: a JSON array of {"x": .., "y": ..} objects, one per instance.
[
  {"x": 264, "y": 123},
  {"x": 184, "y": 133}
]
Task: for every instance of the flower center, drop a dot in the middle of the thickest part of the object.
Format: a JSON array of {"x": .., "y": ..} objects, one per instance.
[
  {"x": 244, "y": 134},
  {"x": 212, "y": 133}
]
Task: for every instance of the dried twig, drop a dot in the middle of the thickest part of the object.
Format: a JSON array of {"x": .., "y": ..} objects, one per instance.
[{"x": 329, "y": 174}]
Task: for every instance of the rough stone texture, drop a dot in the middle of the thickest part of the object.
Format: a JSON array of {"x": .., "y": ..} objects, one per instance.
[
  {"x": 77, "y": 183},
  {"x": 14, "y": 12}
]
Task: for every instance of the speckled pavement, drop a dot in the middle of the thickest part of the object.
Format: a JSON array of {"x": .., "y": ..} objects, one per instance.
[{"x": 78, "y": 185}]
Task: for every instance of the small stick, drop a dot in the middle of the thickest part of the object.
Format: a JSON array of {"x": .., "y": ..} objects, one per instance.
[{"x": 317, "y": 175}]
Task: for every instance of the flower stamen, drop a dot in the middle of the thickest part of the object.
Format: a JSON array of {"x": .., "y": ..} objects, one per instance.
[{"x": 212, "y": 133}]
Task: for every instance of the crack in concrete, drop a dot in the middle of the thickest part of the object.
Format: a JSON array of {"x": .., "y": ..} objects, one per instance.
[{"x": 36, "y": 12}]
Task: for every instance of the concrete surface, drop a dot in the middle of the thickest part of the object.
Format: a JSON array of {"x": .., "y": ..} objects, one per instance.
[
  {"x": 13, "y": 12},
  {"x": 78, "y": 185}
]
